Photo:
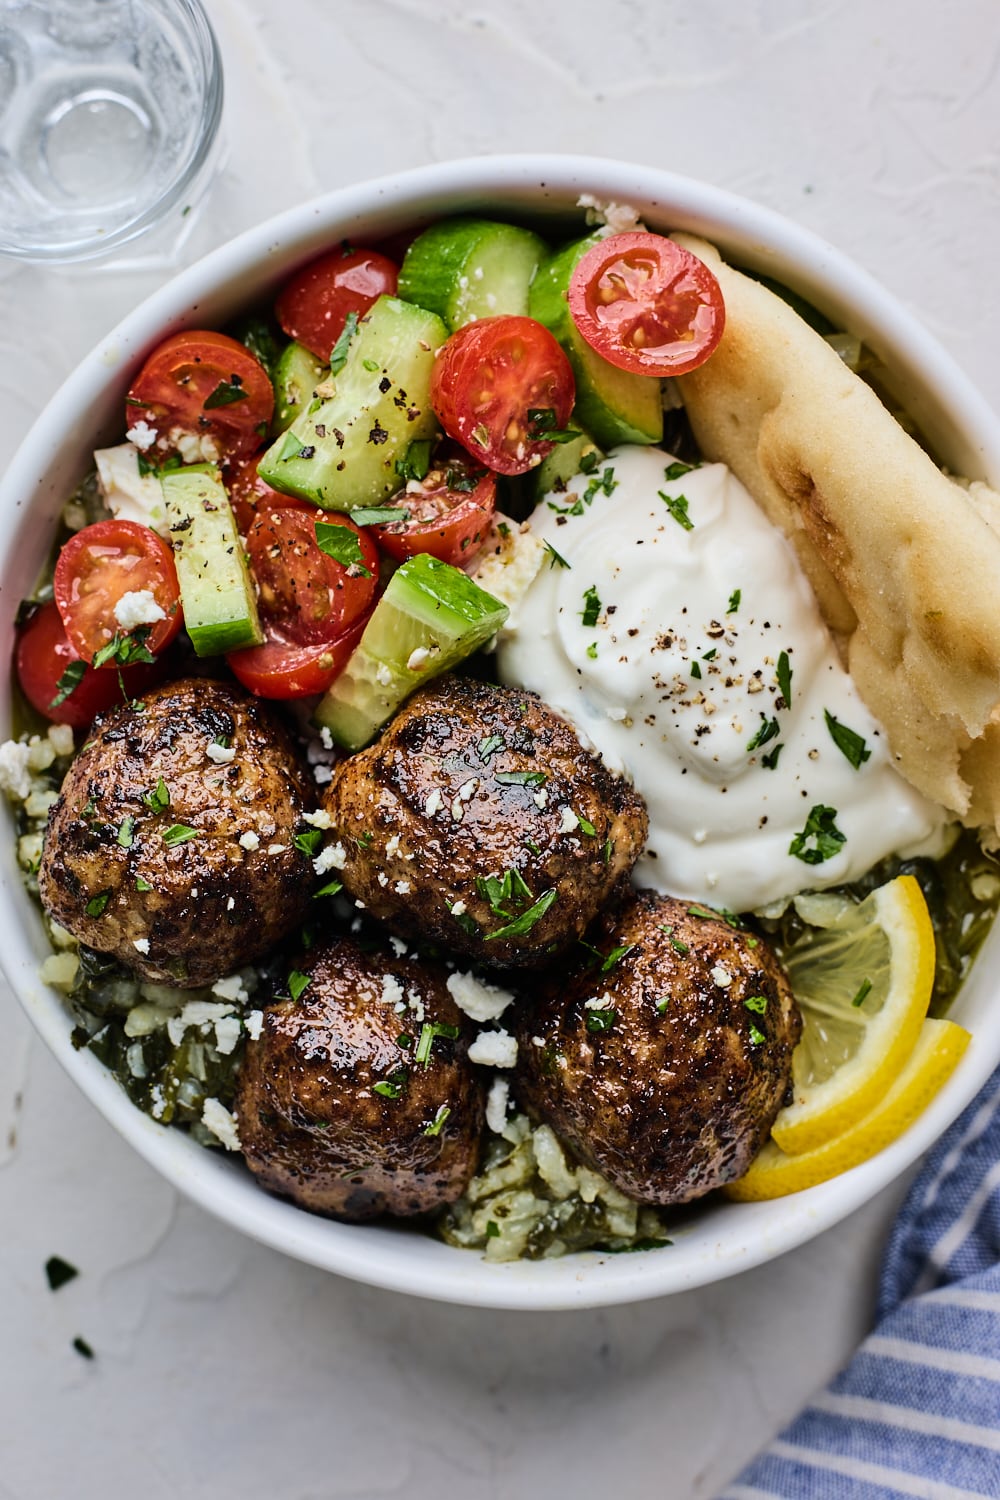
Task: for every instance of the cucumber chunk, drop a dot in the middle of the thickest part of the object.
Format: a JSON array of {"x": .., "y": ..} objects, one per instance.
[
  {"x": 341, "y": 450},
  {"x": 217, "y": 594},
  {"x": 465, "y": 269},
  {"x": 564, "y": 463},
  {"x": 296, "y": 376},
  {"x": 613, "y": 405},
  {"x": 430, "y": 617}
]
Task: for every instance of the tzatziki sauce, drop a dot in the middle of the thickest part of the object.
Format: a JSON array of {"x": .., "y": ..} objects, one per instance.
[{"x": 672, "y": 625}]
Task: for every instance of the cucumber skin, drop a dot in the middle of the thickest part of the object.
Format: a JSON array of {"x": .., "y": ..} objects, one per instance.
[
  {"x": 613, "y": 405},
  {"x": 296, "y": 375},
  {"x": 438, "y": 258},
  {"x": 401, "y": 340},
  {"x": 195, "y": 495},
  {"x": 447, "y": 609}
]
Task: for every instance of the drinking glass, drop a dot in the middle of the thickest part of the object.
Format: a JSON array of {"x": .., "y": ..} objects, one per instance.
[{"x": 109, "y": 110}]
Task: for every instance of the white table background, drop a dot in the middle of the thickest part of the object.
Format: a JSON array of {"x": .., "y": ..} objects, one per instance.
[{"x": 222, "y": 1369}]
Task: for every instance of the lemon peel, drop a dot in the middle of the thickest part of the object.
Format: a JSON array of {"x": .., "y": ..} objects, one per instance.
[
  {"x": 774, "y": 1174},
  {"x": 880, "y": 954}
]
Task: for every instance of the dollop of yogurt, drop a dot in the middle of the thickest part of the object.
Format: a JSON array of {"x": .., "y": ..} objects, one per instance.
[{"x": 673, "y": 626}]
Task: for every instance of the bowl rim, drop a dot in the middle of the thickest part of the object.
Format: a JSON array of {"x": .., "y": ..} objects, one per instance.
[{"x": 371, "y": 1254}]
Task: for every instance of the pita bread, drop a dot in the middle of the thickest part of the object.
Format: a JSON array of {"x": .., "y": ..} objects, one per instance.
[{"x": 904, "y": 561}]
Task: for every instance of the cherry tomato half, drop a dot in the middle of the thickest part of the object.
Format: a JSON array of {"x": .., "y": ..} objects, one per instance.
[
  {"x": 203, "y": 385},
  {"x": 448, "y": 516},
  {"x": 498, "y": 385},
  {"x": 43, "y": 654},
  {"x": 250, "y": 496},
  {"x": 97, "y": 567},
  {"x": 312, "y": 607},
  {"x": 313, "y": 307},
  {"x": 646, "y": 304}
]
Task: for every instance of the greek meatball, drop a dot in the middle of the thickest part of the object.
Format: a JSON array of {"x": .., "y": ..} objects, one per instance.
[
  {"x": 171, "y": 844},
  {"x": 358, "y": 1098},
  {"x": 664, "y": 1062},
  {"x": 479, "y": 821}
]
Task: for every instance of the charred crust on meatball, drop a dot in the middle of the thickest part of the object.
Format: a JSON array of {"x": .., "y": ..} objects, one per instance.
[
  {"x": 171, "y": 846},
  {"x": 479, "y": 821},
  {"x": 662, "y": 1069},
  {"x": 358, "y": 1099}
]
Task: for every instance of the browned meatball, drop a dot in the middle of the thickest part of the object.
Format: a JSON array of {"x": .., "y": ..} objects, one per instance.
[
  {"x": 359, "y": 1099},
  {"x": 664, "y": 1064},
  {"x": 171, "y": 844},
  {"x": 479, "y": 821}
]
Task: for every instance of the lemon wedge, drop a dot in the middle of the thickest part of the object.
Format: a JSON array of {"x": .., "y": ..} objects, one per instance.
[
  {"x": 863, "y": 980},
  {"x": 774, "y": 1174}
]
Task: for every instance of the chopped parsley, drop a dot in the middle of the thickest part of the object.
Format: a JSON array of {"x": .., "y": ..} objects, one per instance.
[
  {"x": 756, "y": 1003},
  {"x": 179, "y": 833},
  {"x": 767, "y": 730},
  {"x": 158, "y": 800},
  {"x": 585, "y": 826},
  {"x": 757, "y": 1037},
  {"x": 379, "y": 515},
  {"x": 677, "y": 505},
  {"x": 96, "y": 905},
  {"x": 142, "y": 885},
  {"x": 428, "y": 1032},
  {"x": 526, "y": 921},
  {"x": 338, "y": 358},
  {"x": 556, "y": 559},
  {"x": 126, "y": 832},
  {"x": 512, "y": 890},
  {"x": 370, "y": 364},
  {"x": 601, "y": 1020},
  {"x": 592, "y": 651},
  {"x": 434, "y": 1128},
  {"x": 863, "y": 993},
  {"x": 851, "y": 745},
  {"x": 70, "y": 680},
  {"x": 784, "y": 676},
  {"x": 734, "y": 601},
  {"x": 58, "y": 1272},
  {"x": 125, "y": 650},
  {"x": 591, "y": 607},
  {"x": 492, "y": 1230},
  {"x": 520, "y": 778},
  {"x": 415, "y": 462},
  {"x": 393, "y": 1086},
  {"x": 309, "y": 842},
  {"x": 820, "y": 839},
  {"x": 343, "y": 545},
  {"x": 675, "y": 943},
  {"x": 695, "y": 669},
  {"x": 542, "y": 424},
  {"x": 297, "y": 983},
  {"x": 770, "y": 760},
  {"x": 332, "y": 888},
  {"x": 490, "y": 745},
  {"x": 718, "y": 914},
  {"x": 678, "y": 469},
  {"x": 226, "y": 393},
  {"x": 615, "y": 956},
  {"x": 664, "y": 1000}
]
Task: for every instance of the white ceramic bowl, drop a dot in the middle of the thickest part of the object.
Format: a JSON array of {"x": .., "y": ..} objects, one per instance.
[{"x": 713, "y": 1241}]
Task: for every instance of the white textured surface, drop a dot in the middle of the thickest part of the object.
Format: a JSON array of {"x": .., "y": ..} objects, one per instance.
[{"x": 223, "y": 1370}]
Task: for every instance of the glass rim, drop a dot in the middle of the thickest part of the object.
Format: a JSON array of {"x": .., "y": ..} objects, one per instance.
[{"x": 209, "y": 61}]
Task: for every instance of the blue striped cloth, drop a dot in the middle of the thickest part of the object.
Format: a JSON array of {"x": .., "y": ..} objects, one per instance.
[{"x": 917, "y": 1410}]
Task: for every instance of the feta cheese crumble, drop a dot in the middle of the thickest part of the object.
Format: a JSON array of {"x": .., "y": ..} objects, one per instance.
[
  {"x": 218, "y": 1119},
  {"x": 494, "y": 1049},
  {"x": 333, "y": 857},
  {"x": 220, "y": 754},
  {"x": 249, "y": 840},
  {"x": 138, "y": 607},
  {"x": 496, "y": 1105},
  {"x": 479, "y": 1000}
]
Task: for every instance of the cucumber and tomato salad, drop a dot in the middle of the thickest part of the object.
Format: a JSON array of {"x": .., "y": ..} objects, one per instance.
[{"x": 371, "y": 443}]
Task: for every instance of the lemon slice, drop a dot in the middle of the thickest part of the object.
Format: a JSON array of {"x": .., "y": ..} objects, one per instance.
[
  {"x": 932, "y": 1062},
  {"x": 863, "y": 982}
]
